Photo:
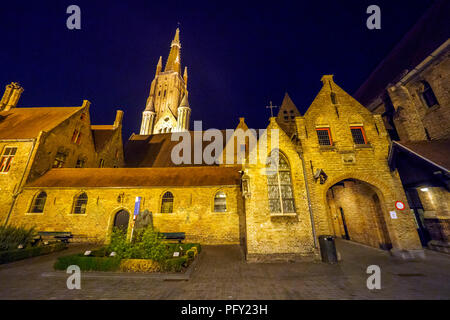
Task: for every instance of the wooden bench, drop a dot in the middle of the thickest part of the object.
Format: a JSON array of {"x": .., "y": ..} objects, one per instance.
[
  {"x": 63, "y": 236},
  {"x": 174, "y": 236}
]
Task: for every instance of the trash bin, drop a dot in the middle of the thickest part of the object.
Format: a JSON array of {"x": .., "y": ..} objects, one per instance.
[{"x": 327, "y": 249}]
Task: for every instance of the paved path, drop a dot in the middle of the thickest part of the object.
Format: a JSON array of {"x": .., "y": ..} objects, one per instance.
[{"x": 222, "y": 274}]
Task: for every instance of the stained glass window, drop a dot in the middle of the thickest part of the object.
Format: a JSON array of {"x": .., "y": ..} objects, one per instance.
[{"x": 279, "y": 183}]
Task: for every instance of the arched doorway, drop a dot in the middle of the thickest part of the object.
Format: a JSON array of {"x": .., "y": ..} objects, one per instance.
[
  {"x": 121, "y": 220},
  {"x": 357, "y": 214}
]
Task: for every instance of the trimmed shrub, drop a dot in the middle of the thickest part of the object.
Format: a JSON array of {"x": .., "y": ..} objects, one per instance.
[
  {"x": 174, "y": 264},
  {"x": 11, "y": 237},
  {"x": 88, "y": 263},
  {"x": 139, "y": 265},
  {"x": 19, "y": 254},
  {"x": 146, "y": 244}
]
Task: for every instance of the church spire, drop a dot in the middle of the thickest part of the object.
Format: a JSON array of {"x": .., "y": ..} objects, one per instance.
[
  {"x": 174, "y": 61},
  {"x": 185, "y": 76},
  {"x": 159, "y": 66}
]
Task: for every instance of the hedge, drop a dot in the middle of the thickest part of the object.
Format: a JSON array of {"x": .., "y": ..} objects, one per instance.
[
  {"x": 139, "y": 265},
  {"x": 19, "y": 254},
  {"x": 88, "y": 263},
  {"x": 174, "y": 264}
]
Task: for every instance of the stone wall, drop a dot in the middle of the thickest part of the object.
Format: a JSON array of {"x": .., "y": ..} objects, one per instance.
[
  {"x": 10, "y": 181},
  {"x": 272, "y": 236},
  {"x": 193, "y": 212}
]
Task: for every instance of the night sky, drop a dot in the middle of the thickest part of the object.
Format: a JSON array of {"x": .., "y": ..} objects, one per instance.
[{"x": 240, "y": 55}]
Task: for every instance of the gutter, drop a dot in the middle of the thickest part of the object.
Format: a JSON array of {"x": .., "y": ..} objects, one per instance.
[{"x": 308, "y": 196}]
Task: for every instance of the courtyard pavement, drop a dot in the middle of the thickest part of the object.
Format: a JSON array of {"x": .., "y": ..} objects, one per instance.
[{"x": 223, "y": 274}]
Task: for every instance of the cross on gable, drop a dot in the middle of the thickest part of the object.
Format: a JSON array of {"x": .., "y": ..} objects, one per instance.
[{"x": 271, "y": 108}]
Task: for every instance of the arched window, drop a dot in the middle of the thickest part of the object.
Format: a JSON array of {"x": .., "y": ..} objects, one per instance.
[
  {"x": 220, "y": 202},
  {"x": 167, "y": 202},
  {"x": 79, "y": 206},
  {"x": 428, "y": 95},
  {"x": 39, "y": 202},
  {"x": 281, "y": 196}
]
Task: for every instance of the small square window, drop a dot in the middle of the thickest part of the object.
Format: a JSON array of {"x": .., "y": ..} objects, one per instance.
[
  {"x": 358, "y": 135},
  {"x": 324, "y": 136}
]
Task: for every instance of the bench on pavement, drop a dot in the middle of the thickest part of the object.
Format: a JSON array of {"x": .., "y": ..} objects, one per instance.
[
  {"x": 62, "y": 236},
  {"x": 174, "y": 236}
]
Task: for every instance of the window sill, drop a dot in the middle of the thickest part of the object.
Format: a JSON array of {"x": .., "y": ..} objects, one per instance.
[
  {"x": 327, "y": 148},
  {"x": 34, "y": 213},
  {"x": 363, "y": 146},
  {"x": 77, "y": 214},
  {"x": 281, "y": 214}
]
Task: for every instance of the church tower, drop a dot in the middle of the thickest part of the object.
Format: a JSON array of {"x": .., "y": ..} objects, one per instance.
[{"x": 167, "y": 108}]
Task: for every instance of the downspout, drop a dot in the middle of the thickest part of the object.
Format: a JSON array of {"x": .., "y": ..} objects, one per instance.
[
  {"x": 309, "y": 200},
  {"x": 25, "y": 171}
]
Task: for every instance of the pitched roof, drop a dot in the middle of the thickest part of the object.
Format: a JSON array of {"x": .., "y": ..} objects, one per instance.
[
  {"x": 435, "y": 152},
  {"x": 155, "y": 150},
  {"x": 288, "y": 109},
  {"x": 102, "y": 134},
  {"x": 26, "y": 123},
  {"x": 431, "y": 31},
  {"x": 138, "y": 177}
]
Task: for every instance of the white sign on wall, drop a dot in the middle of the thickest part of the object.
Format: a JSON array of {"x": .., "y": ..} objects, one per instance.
[{"x": 393, "y": 214}]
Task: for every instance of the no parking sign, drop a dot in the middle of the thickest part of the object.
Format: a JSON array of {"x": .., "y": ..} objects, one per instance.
[{"x": 399, "y": 205}]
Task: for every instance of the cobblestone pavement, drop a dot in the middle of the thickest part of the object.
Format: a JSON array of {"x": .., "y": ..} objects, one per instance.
[{"x": 222, "y": 274}]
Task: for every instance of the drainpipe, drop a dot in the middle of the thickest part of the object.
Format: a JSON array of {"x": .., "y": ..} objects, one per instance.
[
  {"x": 309, "y": 200},
  {"x": 25, "y": 171}
]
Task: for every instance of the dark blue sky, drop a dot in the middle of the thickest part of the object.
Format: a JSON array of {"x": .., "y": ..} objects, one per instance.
[{"x": 239, "y": 55}]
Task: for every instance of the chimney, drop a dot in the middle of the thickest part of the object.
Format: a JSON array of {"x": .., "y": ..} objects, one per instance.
[
  {"x": 11, "y": 96},
  {"x": 119, "y": 117}
]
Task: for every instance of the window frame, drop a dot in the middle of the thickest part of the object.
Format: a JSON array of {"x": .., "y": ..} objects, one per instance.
[
  {"x": 427, "y": 93},
  {"x": 75, "y": 204},
  {"x": 327, "y": 129},
  {"x": 279, "y": 185},
  {"x": 7, "y": 160},
  {"x": 363, "y": 134},
  {"x": 214, "y": 201},
  {"x": 172, "y": 198},
  {"x": 33, "y": 206}
]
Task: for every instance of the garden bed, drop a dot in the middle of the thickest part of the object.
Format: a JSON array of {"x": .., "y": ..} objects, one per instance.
[{"x": 146, "y": 253}]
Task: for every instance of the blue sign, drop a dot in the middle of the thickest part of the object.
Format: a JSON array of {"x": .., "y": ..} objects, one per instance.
[{"x": 137, "y": 206}]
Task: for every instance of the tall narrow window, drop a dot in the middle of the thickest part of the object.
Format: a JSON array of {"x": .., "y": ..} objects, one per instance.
[
  {"x": 79, "y": 206},
  {"x": 60, "y": 159},
  {"x": 359, "y": 137},
  {"x": 324, "y": 136},
  {"x": 75, "y": 135},
  {"x": 220, "y": 202},
  {"x": 281, "y": 196},
  {"x": 7, "y": 158},
  {"x": 428, "y": 95},
  {"x": 167, "y": 202},
  {"x": 38, "y": 203}
]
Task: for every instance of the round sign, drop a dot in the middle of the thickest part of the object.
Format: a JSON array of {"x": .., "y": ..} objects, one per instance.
[{"x": 400, "y": 205}]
